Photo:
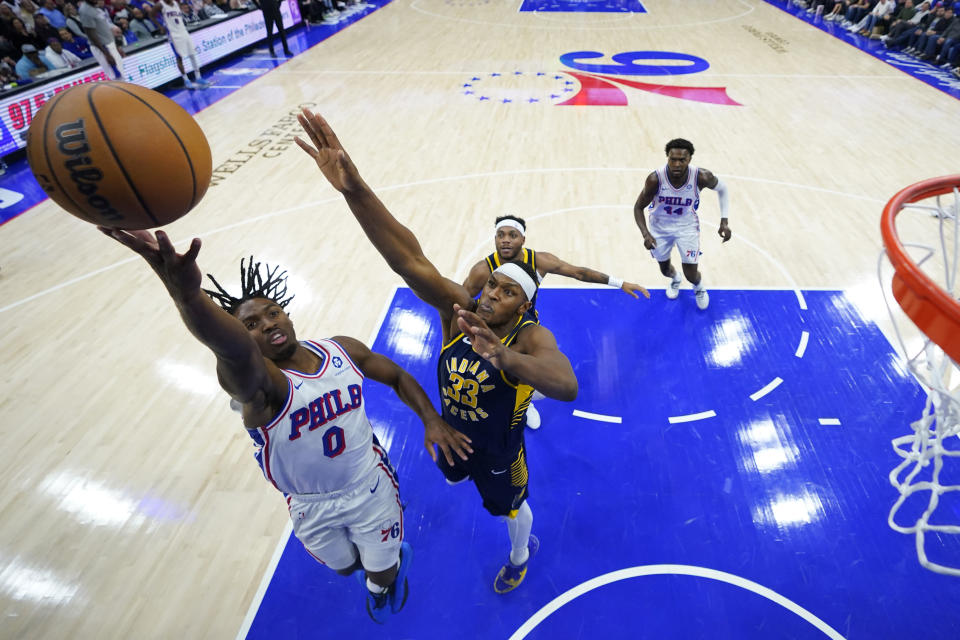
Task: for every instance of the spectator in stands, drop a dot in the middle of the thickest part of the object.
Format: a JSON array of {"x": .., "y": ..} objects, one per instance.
[
  {"x": 916, "y": 26},
  {"x": 210, "y": 10},
  {"x": 7, "y": 49},
  {"x": 918, "y": 39},
  {"x": 8, "y": 77},
  {"x": 26, "y": 12},
  {"x": 43, "y": 29},
  {"x": 904, "y": 11},
  {"x": 53, "y": 15},
  {"x": 901, "y": 24},
  {"x": 189, "y": 15},
  {"x": 58, "y": 57},
  {"x": 949, "y": 35},
  {"x": 31, "y": 64},
  {"x": 242, "y": 5},
  {"x": 223, "y": 4},
  {"x": 73, "y": 20},
  {"x": 144, "y": 27},
  {"x": 6, "y": 18},
  {"x": 127, "y": 36},
  {"x": 119, "y": 9},
  {"x": 99, "y": 32},
  {"x": 880, "y": 10},
  {"x": 19, "y": 35},
  {"x": 76, "y": 45}
]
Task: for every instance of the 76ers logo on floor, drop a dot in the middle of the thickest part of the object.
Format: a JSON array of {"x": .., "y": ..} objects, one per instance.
[{"x": 601, "y": 82}]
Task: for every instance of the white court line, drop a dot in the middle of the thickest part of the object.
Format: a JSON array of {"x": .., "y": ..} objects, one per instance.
[
  {"x": 288, "y": 528},
  {"x": 262, "y": 589},
  {"x": 690, "y": 417},
  {"x": 802, "y": 347},
  {"x": 468, "y": 176},
  {"x": 672, "y": 569},
  {"x": 830, "y": 422},
  {"x": 597, "y": 416},
  {"x": 773, "y": 384},
  {"x": 633, "y": 25},
  {"x": 550, "y": 69}
]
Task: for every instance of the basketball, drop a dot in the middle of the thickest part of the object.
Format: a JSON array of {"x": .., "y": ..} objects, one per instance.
[{"x": 119, "y": 155}]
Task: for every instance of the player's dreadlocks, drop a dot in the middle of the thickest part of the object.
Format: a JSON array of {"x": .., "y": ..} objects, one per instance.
[{"x": 253, "y": 284}]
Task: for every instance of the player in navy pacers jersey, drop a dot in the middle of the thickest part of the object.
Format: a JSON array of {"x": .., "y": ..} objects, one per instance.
[
  {"x": 510, "y": 233},
  {"x": 303, "y": 405},
  {"x": 672, "y": 196},
  {"x": 493, "y": 355}
]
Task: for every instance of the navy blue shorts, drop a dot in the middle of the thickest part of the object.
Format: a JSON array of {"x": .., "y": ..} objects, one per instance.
[{"x": 501, "y": 478}]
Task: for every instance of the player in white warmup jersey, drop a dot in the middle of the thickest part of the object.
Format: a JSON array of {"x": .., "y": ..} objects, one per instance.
[
  {"x": 303, "y": 405},
  {"x": 672, "y": 197},
  {"x": 179, "y": 38}
]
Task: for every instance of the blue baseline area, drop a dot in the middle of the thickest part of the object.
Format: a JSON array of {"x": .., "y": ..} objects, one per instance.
[
  {"x": 761, "y": 491},
  {"x": 942, "y": 79},
  {"x": 227, "y": 75},
  {"x": 584, "y": 6}
]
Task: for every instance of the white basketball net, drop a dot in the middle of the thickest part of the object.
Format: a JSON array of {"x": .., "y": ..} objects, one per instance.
[{"x": 932, "y": 442}]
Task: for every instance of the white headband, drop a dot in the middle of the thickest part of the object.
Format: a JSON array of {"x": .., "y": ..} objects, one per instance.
[
  {"x": 511, "y": 223},
  {"x": 515, "y": 272}
]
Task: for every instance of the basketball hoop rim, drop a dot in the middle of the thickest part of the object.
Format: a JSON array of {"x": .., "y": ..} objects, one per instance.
[{"x": 930, "y": 307}]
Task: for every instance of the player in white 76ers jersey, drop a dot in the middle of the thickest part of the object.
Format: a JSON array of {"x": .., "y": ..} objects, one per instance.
[
  {"x": 179, "y": 37},
  {"x": 672, "y": 196},
  {"x": 303, "y": 405}
]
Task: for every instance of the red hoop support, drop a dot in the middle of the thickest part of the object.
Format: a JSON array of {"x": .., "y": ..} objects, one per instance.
[{"x": 930, "y": 307}]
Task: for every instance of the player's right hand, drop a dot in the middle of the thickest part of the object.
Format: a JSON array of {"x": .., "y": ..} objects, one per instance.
[
  {"x": 649, "y": 242},
  {"x": 178, "y": 271}
]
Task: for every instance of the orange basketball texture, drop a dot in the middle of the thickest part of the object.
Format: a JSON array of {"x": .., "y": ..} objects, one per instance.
[{"x": 119, "y": 155}]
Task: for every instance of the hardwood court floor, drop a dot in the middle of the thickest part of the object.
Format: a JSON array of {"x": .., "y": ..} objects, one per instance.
[{"x": 131, "y": 507}]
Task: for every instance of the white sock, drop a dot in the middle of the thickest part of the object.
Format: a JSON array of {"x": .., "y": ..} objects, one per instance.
[
  {"x": 519, "y": 528},
  {"x": 184, "y": 76},
  {"x": 676, "y": 277},
  {"x": 373, "y": 587},
  {"x": 699, "y": 285},
  {"x": 196, "y": 65}
]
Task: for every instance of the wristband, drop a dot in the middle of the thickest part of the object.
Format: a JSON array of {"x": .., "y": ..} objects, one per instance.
[{"x": 616, "y": 283}]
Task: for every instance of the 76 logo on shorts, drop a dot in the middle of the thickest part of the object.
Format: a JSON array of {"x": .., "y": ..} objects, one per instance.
[{"x": 391, "y": 531}]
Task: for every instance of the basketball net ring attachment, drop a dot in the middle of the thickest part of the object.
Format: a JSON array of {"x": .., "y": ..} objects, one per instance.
[{"x": 926, "y": 292}]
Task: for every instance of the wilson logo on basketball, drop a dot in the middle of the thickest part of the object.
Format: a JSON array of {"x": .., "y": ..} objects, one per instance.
[{"x": 72, "y": 141}]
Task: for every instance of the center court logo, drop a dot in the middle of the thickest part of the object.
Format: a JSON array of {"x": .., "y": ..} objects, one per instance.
[{"x": 602, "y": 82}]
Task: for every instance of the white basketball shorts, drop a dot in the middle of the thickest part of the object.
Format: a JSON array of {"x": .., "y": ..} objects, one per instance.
[
  {"x": 685, "y": 237},
  {"x": 182, "y": 45},
  {"x": 368, "y": 516}
]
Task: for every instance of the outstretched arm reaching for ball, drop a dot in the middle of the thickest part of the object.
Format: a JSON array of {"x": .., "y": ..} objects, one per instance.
[
  {"x": 395, "y": 242},
  {"x": 243, "y": 371}
]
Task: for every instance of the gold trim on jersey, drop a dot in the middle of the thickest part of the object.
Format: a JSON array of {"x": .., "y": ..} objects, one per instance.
[
  {"x": 529, "y": 258},
  {"x": 518, "y": 470}
]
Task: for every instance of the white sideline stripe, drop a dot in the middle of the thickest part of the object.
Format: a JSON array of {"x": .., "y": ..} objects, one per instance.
[
  {"x": 672, "y": 569},
  {"x": 773, "y": 384},
  {"x": 288, "y": 527},
  {"x": 802, "y": 347},
  {"x": 830, "y": 422},
  {"x": 690, "y": 417},
  {"x": 262, "y": 589},
  {"x": 597, "y": 416}
]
